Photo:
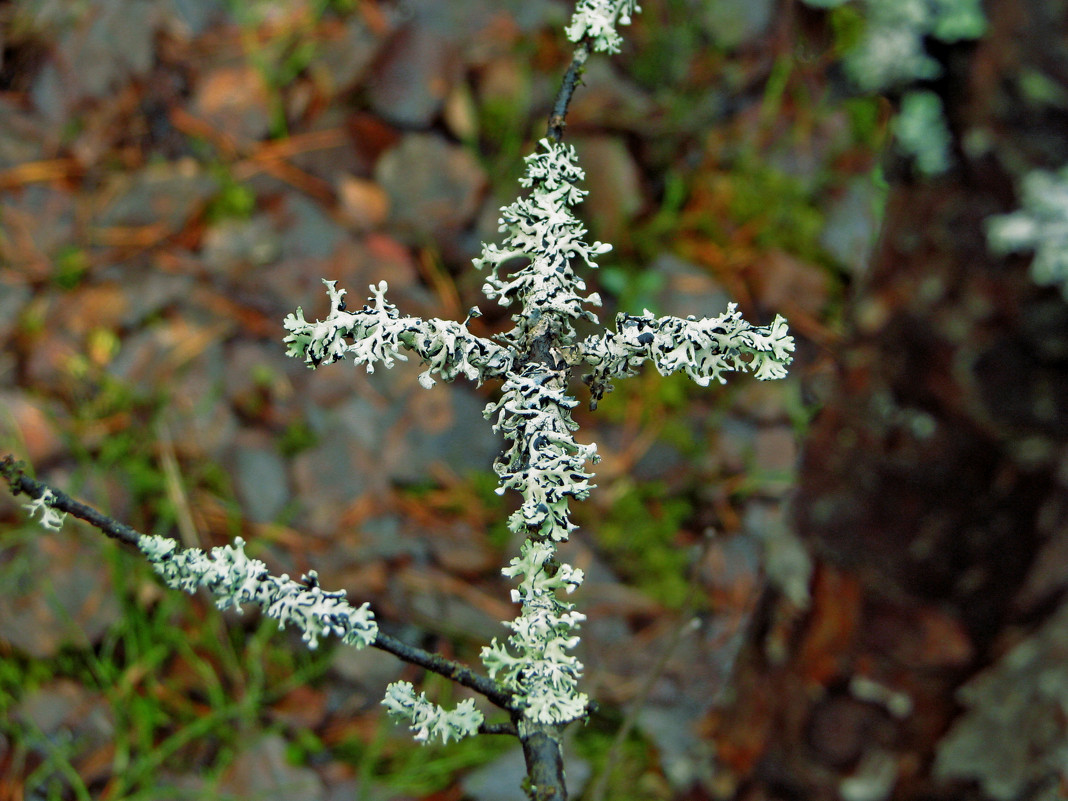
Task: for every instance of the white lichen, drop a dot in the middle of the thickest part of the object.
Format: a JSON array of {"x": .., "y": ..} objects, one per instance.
[
  {"x": 1041, "y": 225},
  {"x": 235, "y": 579},
  {"x": 891, "y": 52},
  {"x": 376, "y": 334},
  {"x": 534, "y": 269},
  {"x": 538, "y": 667},
  {"x": 703, "y": 348},
  {"x": 543, "y": 464},
  {"x": 920, "y": 130},
  {"x": 891, "y": 55},
  {"x": 51, "y": 518},
  {"x": 597, "y": 20},
  {"x": 427, "y": 720},
  {"x": 542, "y": 230}
]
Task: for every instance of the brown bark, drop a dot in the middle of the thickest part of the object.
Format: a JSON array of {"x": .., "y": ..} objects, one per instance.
[{"x": 932, "y": 495}]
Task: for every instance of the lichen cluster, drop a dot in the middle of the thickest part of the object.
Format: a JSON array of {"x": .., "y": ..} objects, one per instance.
[{"x": 535, "y": 667}]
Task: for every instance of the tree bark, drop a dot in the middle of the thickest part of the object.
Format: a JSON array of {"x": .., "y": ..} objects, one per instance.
[{"x": 932, "y": 490}]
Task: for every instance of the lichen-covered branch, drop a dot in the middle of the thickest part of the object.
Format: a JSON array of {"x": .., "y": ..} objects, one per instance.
[
  {"x": 234, "y": 579},
  {"x": 544, "y": 464},
  {"x": 172, "y": 563},
  {"x": 377, "y": 333},
  {"x": 542, "y": 229},
  {"x": 703, "y": 348}
]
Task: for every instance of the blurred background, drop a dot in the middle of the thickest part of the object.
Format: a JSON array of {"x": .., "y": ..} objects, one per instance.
[{"x": 176, "y": 176}]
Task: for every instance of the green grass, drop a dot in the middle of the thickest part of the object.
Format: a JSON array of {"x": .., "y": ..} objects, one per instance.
[
  {"x": 179, "y": 681},
  {"x": 640, "y": 536}
]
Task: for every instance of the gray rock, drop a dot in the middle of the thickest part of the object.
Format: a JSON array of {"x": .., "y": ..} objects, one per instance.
[
  {"x": 615, "y": 194},
  {"x": 192, "y": 17},
  {"x": 310, "y": 232},
  {"x": 853, "y": 224},
  {"x": 263, "y": 772},
  {"x": 259, "y": 477},
  {"x": 410, "y": 83},
  {"x": 232, "y": 247},
  {"x": 434, "y": 187},
  {"x": 732, "y": 23},
  {"x": 502, "y": 779},
  {"x": 166, "y": 194},
  {"x": 54, "y": 593}
]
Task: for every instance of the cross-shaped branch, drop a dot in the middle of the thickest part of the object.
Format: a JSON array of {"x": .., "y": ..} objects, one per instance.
[{"x": 536, "y": 360}]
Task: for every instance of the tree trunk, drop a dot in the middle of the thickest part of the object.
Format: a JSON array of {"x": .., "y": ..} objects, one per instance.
[{"x": 933, "y": 660}]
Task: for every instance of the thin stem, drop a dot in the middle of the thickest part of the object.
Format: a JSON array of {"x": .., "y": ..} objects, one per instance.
[
  {"x": 20, "y": 483},
  {"x": 572, "y": 78},
  {"x": 436, "y": 663}
]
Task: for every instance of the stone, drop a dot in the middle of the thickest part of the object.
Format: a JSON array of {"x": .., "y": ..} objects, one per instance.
[
  {"x": 434, "y": 187},
  {"x": 53, "y": 593},
  {"x": 263, "y": 772}
]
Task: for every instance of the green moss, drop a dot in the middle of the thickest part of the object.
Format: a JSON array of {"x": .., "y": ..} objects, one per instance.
[
  {"x": 297, "y": 437},
  {"x": 71, "y": 265},
  {"x": 640, "y": 537},
  {"x": 234, "y": 200},
  {"x": 778, "y": 207}
]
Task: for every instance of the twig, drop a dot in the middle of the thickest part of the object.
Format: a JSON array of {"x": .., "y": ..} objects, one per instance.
[
  {"x": 20, "y": 483},
  {"x": 572, "y": 78}
]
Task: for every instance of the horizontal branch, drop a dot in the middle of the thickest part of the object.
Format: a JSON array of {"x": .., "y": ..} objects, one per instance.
[
  {"x": 704, "y": 348},
  {"x": 376, "y": 334},
  {"x": 14, "y": 474}
]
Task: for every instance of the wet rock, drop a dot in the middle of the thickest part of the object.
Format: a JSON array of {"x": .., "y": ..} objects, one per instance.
[
  {"x": 775, "y": 453},
  {"x": 70, "y": 717},
  {"x": 309, "y": 231},
  {"x": 615, "y": 185},
  {"x": 346, "y": 51},
  {"x": 260, "y": 477},
  {"x": 611, "y": 102},
  {"x": 201, "y": 424},
  {"x": 23, "y": 137},
  {"x": 411, "y": 82},
  {"x": 27, "y": 430},
  {"x": 686, "y": 289},
  {"x": 235, "y": 100},
  {"x": 364, "y": 204},
  {"x": 852, "y": 224},
  {"x": 684, "y": 757},
  {"x": 434, "y": 187},
  {"x": 232, "y": 247},
  {"x": 111, "y": 46},
  {"x": 330, "y": 478},
  {"x": 368, "y": 668},
  {"x": 54, "y": 593},
  {"x": 190, "y": 18},
  {"x": 443, "y": 426},
  {"x": 161, "y": 195},
  {"x": 14, "y": 298},
  {"x": 39, "y": 225},
  {"x": 263, "y": 772}
]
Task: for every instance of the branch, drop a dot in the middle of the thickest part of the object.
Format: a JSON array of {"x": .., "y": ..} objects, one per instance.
[
  {"x": 14, "y": 473},
  {"x": 703, "y": 348},
  {"x": 572, "y": 78},
  {"x": 20, "y": 483}
]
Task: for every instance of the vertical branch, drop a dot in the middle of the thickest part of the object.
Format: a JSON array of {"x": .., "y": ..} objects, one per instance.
[{"x": 571, "y": 81}]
